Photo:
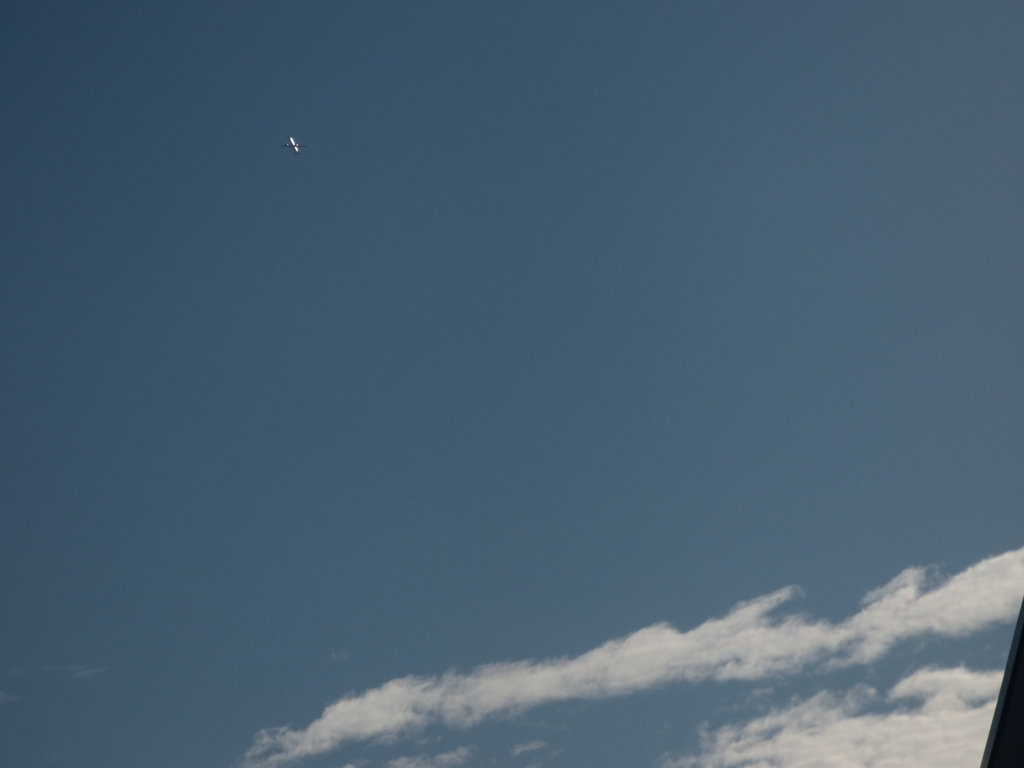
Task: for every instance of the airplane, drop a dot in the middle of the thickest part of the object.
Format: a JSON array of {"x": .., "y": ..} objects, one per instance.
[{"x": 292, "y": 145}]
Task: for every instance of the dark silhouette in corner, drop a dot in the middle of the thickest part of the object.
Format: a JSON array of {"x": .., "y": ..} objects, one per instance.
[{"x": 1005, "y": 747}]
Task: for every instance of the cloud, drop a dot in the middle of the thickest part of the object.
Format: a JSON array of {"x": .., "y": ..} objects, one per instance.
[
  {"x": 945, "y": 726},
  {"x": 530, "y": 746},
  {"x": 78, "y": 672},
  {"x": 751, "y": 642},
  {"x": 451, "y": 759},
  {"x": 6, "y": 698}
]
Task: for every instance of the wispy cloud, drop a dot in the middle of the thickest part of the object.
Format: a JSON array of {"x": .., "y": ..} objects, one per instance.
[
  {"x": 944, "y": 726},
  {"x": 529, "y": 746},
  {"x": 751, "y": 642},
  {"x": 451, "y": 759},
  {"x": 6, "y": 698},
  {"x": 79, "y": 672}
]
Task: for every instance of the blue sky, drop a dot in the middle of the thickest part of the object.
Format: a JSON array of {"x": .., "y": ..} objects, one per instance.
[{"x": 576, "y": 326}]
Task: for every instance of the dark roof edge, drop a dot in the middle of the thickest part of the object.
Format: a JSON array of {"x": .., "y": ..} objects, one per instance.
[{"x": 1013, "y": 683}]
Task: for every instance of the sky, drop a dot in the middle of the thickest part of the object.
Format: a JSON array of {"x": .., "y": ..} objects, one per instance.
[{"x": 605, "y": 384}]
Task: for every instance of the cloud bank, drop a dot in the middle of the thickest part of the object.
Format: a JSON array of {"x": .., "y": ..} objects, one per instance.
[
  {"x": 751, "y": 642},
  {"x": 945, "y": 727}
]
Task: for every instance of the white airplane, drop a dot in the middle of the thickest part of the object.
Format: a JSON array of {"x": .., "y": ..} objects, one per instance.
[{"x": 292, "y": 145}]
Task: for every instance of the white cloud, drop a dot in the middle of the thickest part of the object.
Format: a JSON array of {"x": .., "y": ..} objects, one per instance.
[
  {"x": 944, "y": 727},
  {"x": 749, "y": 643},
  {"x": 529, "y": 746},
  {"x": 451, "y": 759}
]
